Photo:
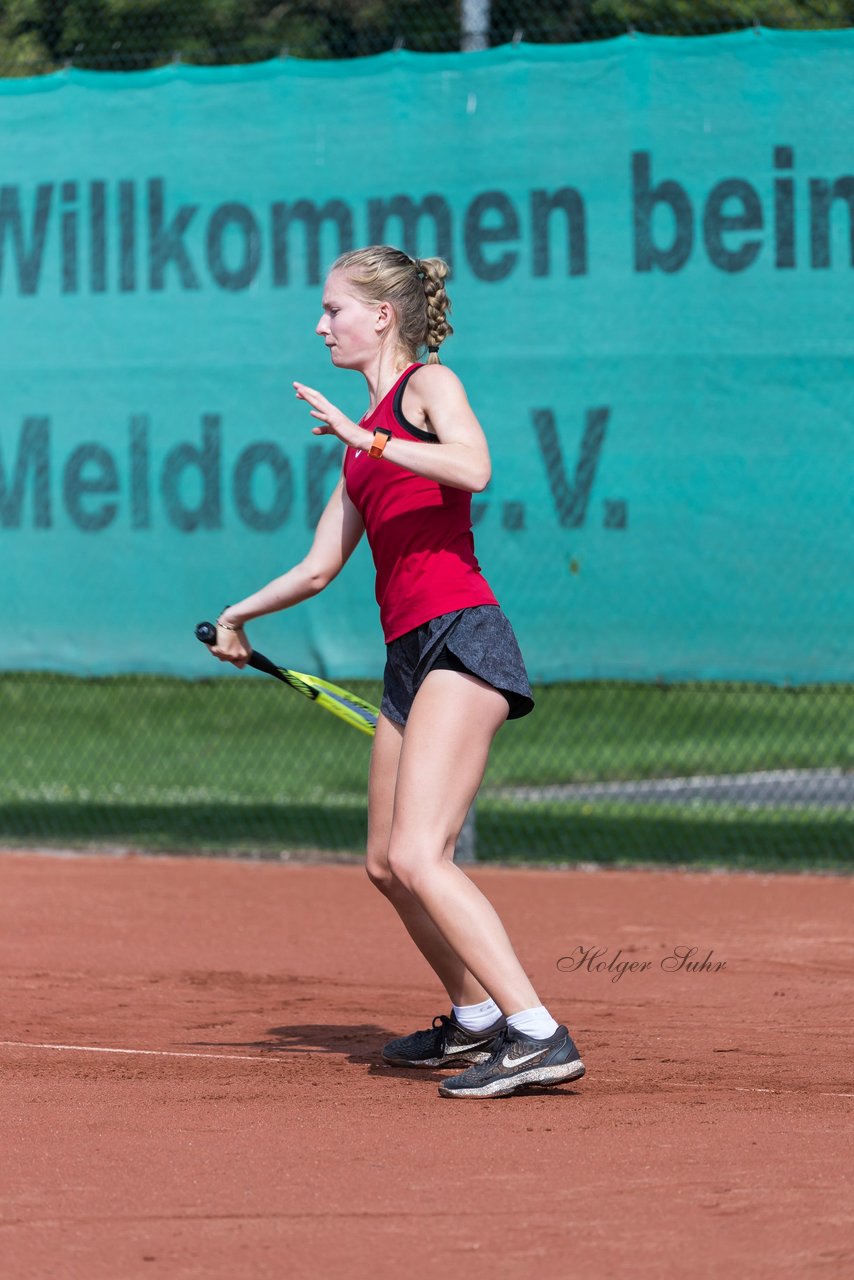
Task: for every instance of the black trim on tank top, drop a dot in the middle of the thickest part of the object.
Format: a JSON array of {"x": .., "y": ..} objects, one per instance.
[{"x": 397, "y": 410}]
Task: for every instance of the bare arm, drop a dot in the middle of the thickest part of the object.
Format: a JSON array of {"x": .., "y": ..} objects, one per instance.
[
  {"x": 436, "y": 400},
  {"x": 336, "y": 536}
]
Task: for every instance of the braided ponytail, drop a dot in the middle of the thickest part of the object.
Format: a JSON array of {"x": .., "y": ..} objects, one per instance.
[
  {"x": 433, "y": 272},
  {"x": 415, "y": 287}
]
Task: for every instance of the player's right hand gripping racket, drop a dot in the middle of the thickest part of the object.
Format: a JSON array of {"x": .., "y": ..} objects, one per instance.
[{"x": 342, "y": 703}]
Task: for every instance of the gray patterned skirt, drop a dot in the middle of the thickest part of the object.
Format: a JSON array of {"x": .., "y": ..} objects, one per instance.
[{"x": 478, "y": 641}]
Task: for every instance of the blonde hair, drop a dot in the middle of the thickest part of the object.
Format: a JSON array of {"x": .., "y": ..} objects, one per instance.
[{"x": 414, "y": 286}]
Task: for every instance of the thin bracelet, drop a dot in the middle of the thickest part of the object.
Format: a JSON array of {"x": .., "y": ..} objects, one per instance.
[{"x": 227, "y": 625}]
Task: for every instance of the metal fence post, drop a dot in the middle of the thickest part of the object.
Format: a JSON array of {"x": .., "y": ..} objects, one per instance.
[
  {"x": 475, "y": 19},
  {"x": 466, "y": 850}
]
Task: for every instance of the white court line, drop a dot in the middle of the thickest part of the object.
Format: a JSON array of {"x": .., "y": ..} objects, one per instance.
[
  {"x": 821, "y": 1094},
  {"x": 735, "y": 1088},
  {"x": 153, "y": 1053},
  {"x": 251, "y": 1057}
]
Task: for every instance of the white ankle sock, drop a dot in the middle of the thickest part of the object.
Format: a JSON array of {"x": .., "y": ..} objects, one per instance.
[
  {"x": 477, "y": 1017},
  {"x": 537, "y": 1023}
]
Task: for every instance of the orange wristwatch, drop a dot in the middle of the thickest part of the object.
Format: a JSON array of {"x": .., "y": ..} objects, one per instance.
[{"x": 381, "y": 439}]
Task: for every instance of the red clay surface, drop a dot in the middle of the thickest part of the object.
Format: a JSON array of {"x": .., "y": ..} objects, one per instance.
[{"x": 710, "y": 1137}]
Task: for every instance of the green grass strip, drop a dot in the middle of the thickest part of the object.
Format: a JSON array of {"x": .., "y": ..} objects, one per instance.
[{"x": 243, "y": 765}]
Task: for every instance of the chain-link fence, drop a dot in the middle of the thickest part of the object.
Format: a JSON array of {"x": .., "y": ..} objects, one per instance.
[
  {"x": 40, "y": 36},
  {"x": 745, "y": 774}
]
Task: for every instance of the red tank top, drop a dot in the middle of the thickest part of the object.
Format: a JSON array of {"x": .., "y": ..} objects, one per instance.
[{"x": 419, "y": 531}]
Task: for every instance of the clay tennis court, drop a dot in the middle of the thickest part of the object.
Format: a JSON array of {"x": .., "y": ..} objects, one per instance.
[{"x": 193, "y": 1087}]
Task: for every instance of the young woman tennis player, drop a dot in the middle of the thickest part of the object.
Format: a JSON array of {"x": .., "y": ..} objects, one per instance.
[{"x": 453, "y": 673}]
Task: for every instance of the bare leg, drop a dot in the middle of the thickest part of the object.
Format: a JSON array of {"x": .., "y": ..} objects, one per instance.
[
  {"x": 442, "y": 760},
  {"x": 461, "y": 986}
]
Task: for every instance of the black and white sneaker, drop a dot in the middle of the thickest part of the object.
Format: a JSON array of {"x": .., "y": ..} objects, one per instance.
[
  {"x": 445, "y": 1044},
  {"x": 515, "y": 1061}
]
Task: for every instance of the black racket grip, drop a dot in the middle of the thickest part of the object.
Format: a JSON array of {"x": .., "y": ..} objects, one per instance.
[{"x": 206, "y": 632}]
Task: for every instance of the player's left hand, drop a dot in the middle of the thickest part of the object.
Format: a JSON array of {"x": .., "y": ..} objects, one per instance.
[{"x": 332, "y": 422}]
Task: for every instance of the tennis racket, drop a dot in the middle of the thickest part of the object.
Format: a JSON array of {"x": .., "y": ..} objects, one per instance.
[{"x": 341, "y": 703}]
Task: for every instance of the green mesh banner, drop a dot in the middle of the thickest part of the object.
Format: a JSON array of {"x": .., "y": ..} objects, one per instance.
[{"x": 652, "y": 243}]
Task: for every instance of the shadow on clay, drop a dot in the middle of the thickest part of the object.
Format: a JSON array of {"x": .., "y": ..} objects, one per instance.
[
  {"x": 357, "y": 1042},
  {"x": 362, "y": 1043}
]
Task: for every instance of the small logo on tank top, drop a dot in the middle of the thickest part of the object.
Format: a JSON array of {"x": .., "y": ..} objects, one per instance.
[{"x": 356, "y": 454}]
